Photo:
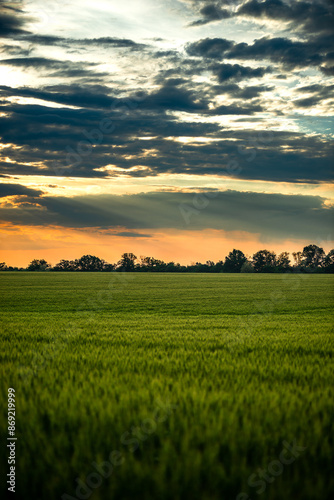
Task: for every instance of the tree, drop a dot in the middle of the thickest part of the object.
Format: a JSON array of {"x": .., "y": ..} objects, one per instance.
[
  {"x": 247, "y": 267},
  {"x": 65, "y": 265},
  {"x": 3, "y": 266},
  {"x": 173, "y": 267},
  {"x": 329, "y": 262},
  {"x": 90, "y": 263},
  {"x": 234, "y": 261},
  {"x": 297, "y": 258},
  {"x": 151, "y": 264},
  {"x": 127, "y": 262},
  {"x": 313, "y": 257},
  {"x": 283, "y": 262},
  {"x": 108, "y": 267},
  {"x": 220, "y": 266},
  {"x": 264, "y": 261},
  {"x": 38, "y": 265}
]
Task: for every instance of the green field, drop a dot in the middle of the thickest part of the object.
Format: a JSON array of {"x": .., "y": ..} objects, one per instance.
[{"x": 195, "y": 380}]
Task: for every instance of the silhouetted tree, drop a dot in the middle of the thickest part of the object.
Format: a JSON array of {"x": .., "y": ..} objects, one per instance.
[
  {"x": 3, "y": 266},
  {"x": 172, "y": 267},
  {"x": 264, "y": 261},
  {"x": 89, "y": 263},
  {"x": 329, "y": 262},
  {"x": 127, "y": 262},
  {"x": 38, "y": 265},
  {"x": 247, "y": 267},
  {"x": 210, "y": 266},
  {"x": 283, "y": 262},
  {"x": 219, "y": 266},
  {"x": 108, "y": 267},
  {"x": 313, "y": 257},
  {"x": 65, "y": 265},
  {"x": 297, "y": 258},
  {"x": 151, "y": 264},
  {"x": 234, "y": 261}
]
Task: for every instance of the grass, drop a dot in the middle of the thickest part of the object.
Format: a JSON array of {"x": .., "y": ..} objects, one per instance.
[{"x": 237, "y": 364}]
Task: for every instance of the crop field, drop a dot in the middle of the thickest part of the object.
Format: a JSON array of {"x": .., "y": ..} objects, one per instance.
[{"x": 169, "y": 386}]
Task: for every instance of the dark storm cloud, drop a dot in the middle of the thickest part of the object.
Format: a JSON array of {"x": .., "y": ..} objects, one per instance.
[
  {"x": 92, "y": 96},
  {"x": 291, "y": 54},
  {"x": 170, "y": 96},
  {"x": 63, "y": 138},
  {"x": 213, "y": 48},
  {"x": 17, "y": 190},
  {"x": 211, "y": 12},
  {"x": 309, "y": 16},
  {"x": 234, "y": 109},
  {"x": 236, "y": 72},
  {"x": 12, "y": 21},
  {"x": 312, "y": 21},
  {"x": 328, "y": 71},
  {"x": 279, "y": 50},
  {"x": 173, "y": 97},
  {"x": 270, "y": 215}
]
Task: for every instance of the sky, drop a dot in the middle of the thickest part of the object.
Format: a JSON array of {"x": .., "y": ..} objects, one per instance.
[{"x": 178, "y": 129}]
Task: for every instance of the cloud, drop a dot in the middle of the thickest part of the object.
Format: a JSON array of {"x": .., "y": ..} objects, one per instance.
[
  {"x": 311, "y": 17},
  {"x": 65, "y": 138},
  {"x": 12, "y": 21},
  {"x": 17, "y": 190},
  {"x": 319, "y": 93},
  {"x": 236, "y": 72},
  {"x": 91, "y": 96},
  {"x": 15, "y": 50},
  {"x": 269, "y": 215},
  {"x": 60, "y": 68},
  {"x": 171, "y": 97},
  {"x": 305, "y": 16},
  {"x": 183, "y": 96},
  {"x": 213, "y": 48},
  {"x": 211, "y": 12},
  {"x": 291, "y": 54},
  {"x": 327, "y": 70},
  {"x": 248, "y": 92},
  {"x": 283, "y": 51},
  {"x": 129, "y": 234},
  {"x": 237, "y": 109},
  {"x": 106, "y": 42}
]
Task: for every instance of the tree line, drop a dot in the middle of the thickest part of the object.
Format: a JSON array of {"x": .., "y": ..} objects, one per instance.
[{"x": 311, "y": 259}]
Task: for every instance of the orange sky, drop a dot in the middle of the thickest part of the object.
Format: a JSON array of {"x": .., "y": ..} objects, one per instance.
[{"x": 20, "y": 245}]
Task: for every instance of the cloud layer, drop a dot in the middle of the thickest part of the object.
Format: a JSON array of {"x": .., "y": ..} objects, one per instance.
[
  {"x": 234, "y": 89},
  {"x": 269, "y": 215}
]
